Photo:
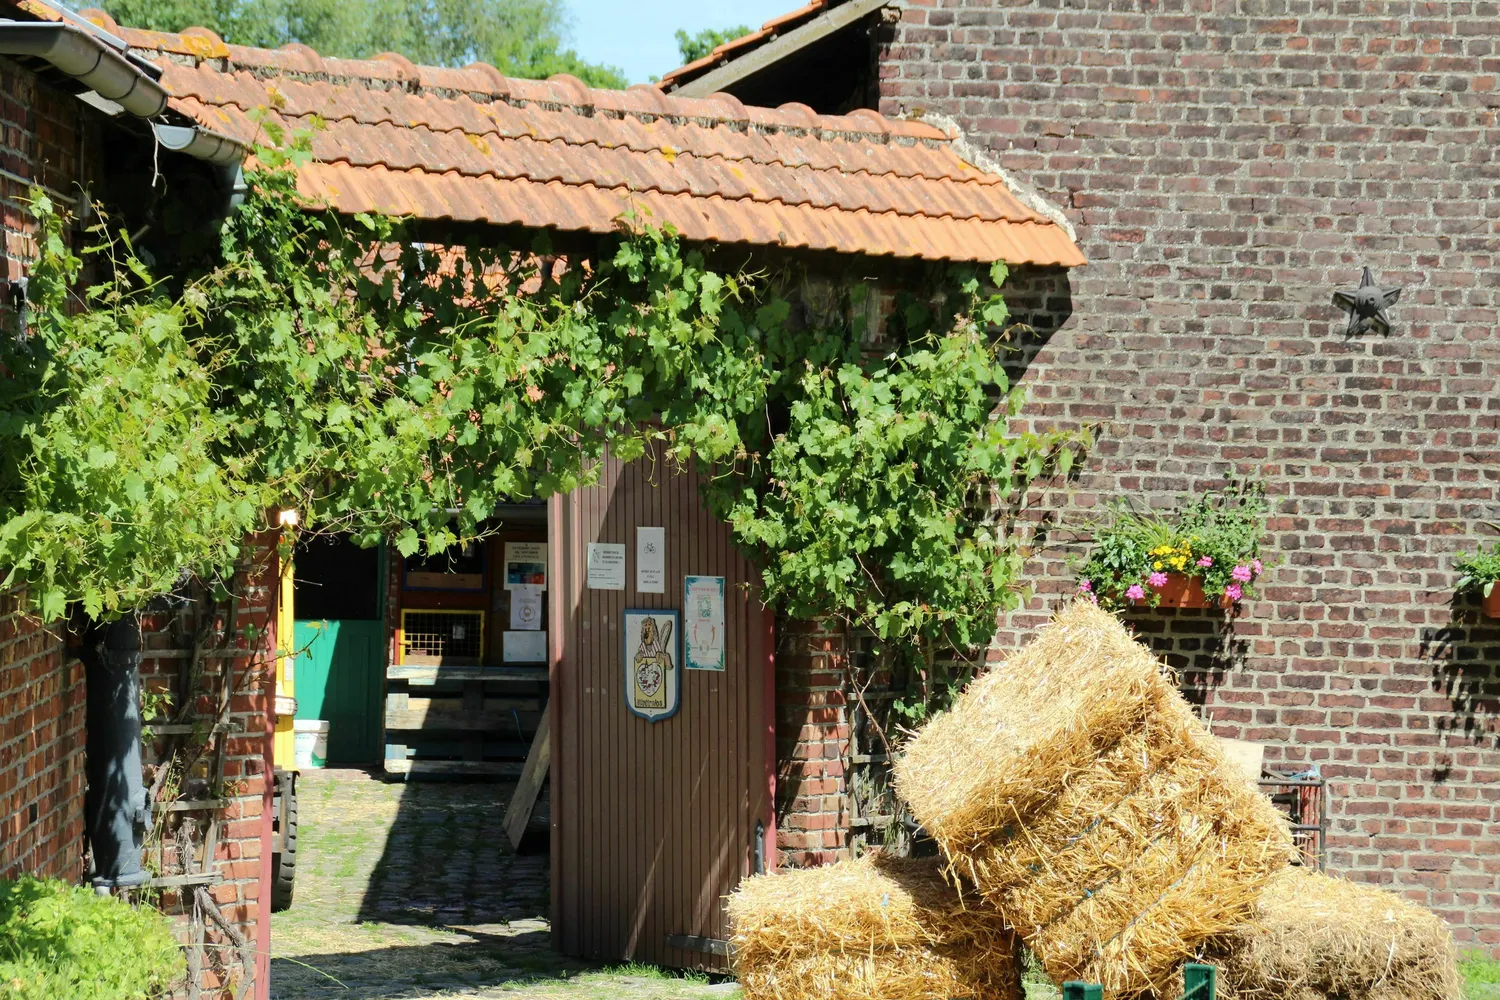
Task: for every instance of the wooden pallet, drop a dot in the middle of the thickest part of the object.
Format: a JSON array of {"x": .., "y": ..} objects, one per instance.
[{"x": 469, "y": 720}]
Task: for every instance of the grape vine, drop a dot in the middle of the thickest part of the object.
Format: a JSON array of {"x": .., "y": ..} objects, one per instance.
[{"x": 400, "y": 391}]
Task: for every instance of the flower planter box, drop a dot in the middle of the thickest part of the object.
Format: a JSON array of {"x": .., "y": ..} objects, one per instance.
[
  {"x": 1183, "y": 591},
  {"x": 1491, "y": 604}
]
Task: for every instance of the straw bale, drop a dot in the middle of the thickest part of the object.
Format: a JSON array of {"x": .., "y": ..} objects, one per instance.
[
  {"x": 1315, "y": 937},
  {"x": 871, "y": 928},
  {"x": 1075, "y": 788}
]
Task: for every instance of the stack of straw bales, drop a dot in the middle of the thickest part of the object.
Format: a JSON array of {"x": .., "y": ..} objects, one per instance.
[
  {"x": 1075, "y": 789},
  {"x": 874, "y": 928},
  {"x": 1319, "y": 938}
]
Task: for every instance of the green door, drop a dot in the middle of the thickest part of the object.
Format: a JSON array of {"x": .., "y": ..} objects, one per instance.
[
  {"x": 341, "y": 644},
  {"x": 340, "y": 669}
]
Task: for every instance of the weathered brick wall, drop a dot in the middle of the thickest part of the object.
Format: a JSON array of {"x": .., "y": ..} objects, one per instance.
[
  {"x": 41, "y": 749},
  {"x": 812, "y": 741},
  {"x": 41, "y": 687},
  {"x": 40, "y": 137},
  {"x": 195, "y": 644},
  {"x": 1228, "y": 165}
]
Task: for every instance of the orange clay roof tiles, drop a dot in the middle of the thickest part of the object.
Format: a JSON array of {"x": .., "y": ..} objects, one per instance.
[
  {"x": 471, "y": 145},
  {"x": 736, "y": 47}
]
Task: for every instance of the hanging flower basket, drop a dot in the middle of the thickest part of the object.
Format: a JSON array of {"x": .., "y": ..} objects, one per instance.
[
  {"x": 1183, "y": 591},
  {"x": 1205, "y": 554},
  {"x": 1481, "y": 576}
]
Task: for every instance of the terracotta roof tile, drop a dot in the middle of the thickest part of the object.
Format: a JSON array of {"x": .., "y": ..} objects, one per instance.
[
  {"x": 736, "y": 47},
  {"x": 472, "y": 145}
]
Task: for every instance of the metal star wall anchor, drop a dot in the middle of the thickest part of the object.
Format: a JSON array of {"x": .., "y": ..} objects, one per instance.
[{"x": 1366, "y": 306}]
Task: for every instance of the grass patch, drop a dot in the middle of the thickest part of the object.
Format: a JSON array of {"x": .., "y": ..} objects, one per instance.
[
  {"x": 1481, "y": 977},
  {"x": 642, "y": 970}
]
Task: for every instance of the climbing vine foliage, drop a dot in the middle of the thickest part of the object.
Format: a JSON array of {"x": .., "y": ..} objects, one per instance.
[{"x": 400, "y": 390}]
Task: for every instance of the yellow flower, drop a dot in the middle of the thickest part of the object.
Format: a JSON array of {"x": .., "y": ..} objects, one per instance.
[
  {"x": 1156, "y": 565},
  {"x": 1179, "y": 562}
]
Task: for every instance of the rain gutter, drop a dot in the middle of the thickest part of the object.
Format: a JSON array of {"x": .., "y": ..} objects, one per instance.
[
  {"x": 87, "y": 59},
  {"x": 116, "y": 82}
]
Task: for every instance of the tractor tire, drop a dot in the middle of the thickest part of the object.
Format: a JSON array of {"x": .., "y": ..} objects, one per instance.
[{"x": 284, "y": 861}]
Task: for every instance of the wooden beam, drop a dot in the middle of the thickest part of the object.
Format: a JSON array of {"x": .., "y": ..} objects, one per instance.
[
  {"x": 489, "y": 769},
  {"x": 692, "y": 942},
  {"x": 421, "y": 674},
  {"x": 449, "y": 713},
  {"x": 819, "y": 28},
  {"x": 538, "y": 761}
]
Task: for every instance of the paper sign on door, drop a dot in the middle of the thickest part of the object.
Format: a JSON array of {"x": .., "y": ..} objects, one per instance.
[
  {"x": 703, "y": 609},
  {"x": 606, "y": 566},
  {"x": 651, "y": 560}
]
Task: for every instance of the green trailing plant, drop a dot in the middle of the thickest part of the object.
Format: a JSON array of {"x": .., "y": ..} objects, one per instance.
[
  {"x": 112, "y": 480},
  {"x": 58, "y": 940},
  {"x": 1214, "y": 537},
  {"x": 1479, "y": 570},
  {"x": 400, "y": 391}
]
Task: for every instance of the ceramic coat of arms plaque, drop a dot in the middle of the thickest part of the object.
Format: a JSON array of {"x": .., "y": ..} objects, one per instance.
[{"x": 653, "y": 666}]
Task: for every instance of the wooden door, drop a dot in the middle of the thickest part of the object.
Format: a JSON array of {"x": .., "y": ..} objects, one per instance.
[
  {"x": 653, "y": 823},
  {"x": 340, "y": 670}
]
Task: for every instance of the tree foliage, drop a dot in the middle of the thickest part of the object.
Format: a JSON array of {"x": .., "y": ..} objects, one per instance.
[
  {"x": 525, "y": 38},
  {"x": 695, "y": 47},
  {"x": 402, "y": 391}
]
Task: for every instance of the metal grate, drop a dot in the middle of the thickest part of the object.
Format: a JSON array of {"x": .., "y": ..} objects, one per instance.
[{"x": 442, "y": 638}]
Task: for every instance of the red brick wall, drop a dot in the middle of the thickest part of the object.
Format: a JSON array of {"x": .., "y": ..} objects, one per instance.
[
  {"x": 50, "y": 137},
  {"x": 812, "y": 740},
  {"x": 240, "y": 857},
  {"x": 41, "y": 749},
  {"x": 39, "y": 139},
  {"x": 41, "y": 688},
  {"x": 1228, "y": 165}
]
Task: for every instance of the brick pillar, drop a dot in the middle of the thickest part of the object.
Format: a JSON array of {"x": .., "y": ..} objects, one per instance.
[
  {"x": 241, "y": 855},
  {"x": 812, "y": 743}
]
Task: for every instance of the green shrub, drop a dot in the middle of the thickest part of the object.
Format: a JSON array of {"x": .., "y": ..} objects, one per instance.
[
  {"x": 1478, "y": 571},
  {"x": 61, "y": 941}
]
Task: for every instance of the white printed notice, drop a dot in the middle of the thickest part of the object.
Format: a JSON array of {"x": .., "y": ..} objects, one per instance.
[
  {"x": 606, "y": 566},
  {"x": 526, "y": 607},
  {"x": 651, "y": 560},
  {"x": 524, "y": 647},
  {"x": 703, "y": 622}
]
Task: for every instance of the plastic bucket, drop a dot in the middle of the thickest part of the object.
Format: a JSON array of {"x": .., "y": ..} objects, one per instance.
[{"x": 311, "y": 745}]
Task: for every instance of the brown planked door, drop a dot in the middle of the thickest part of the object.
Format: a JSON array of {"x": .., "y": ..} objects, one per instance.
[{"x": 653, "y": 823}]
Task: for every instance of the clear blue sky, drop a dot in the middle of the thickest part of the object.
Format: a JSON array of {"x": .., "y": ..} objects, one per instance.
[{"x": 636, "y": 35}]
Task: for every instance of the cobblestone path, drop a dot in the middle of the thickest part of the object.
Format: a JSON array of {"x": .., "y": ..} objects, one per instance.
[{"x": 411, "y": 892}]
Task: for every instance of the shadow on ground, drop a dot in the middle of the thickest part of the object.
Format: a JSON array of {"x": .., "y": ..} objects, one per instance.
[
  {"x": 361, "y": 965},
  {"x": 412, "y": 892}
]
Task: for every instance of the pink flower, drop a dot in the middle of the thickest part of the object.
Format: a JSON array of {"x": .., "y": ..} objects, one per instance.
[
  {"x": 1232, "y": 592},
  {"x": 1085, "y": 586},
  {"x": 1206, "y": 561},
  {"x": 1242, "y": 574},
  {"x": 1135, "y": 593},
  {"x": 1258, "y": 566},
  {"x": 534, "y": 394},
  {"x": 1157, "y": 580}
]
